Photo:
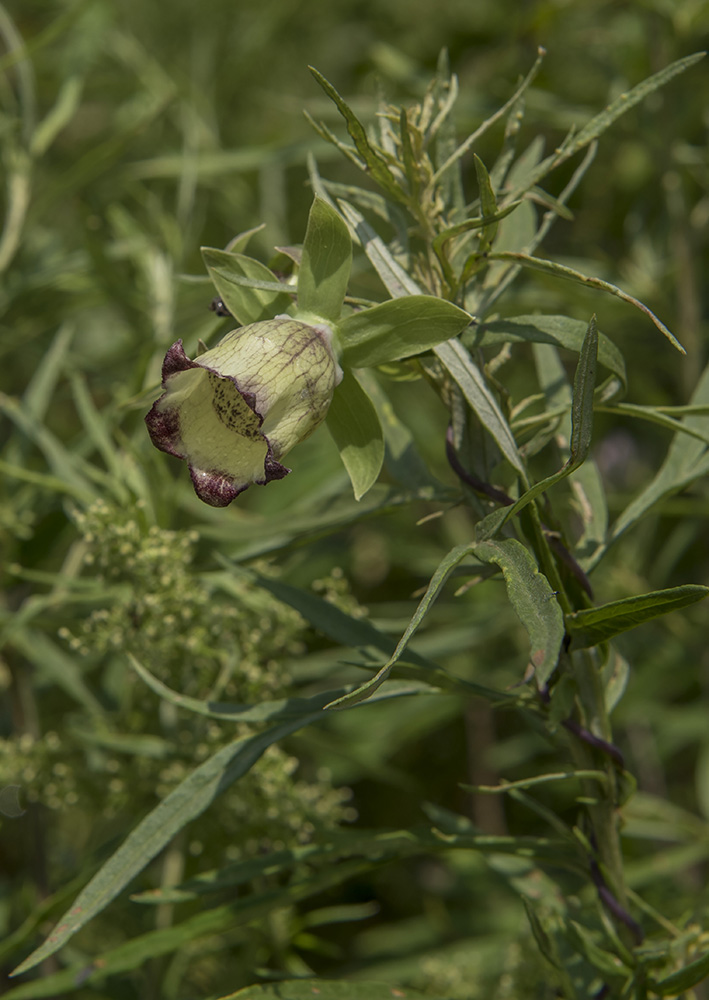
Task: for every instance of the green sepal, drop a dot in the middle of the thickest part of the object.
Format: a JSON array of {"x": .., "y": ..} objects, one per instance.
[
  {"x": 354, "y": 425},
  {"x": 236, "y": 277},
  {"x": 325, "y": 263},
  {"x": 399, "y": 328}
]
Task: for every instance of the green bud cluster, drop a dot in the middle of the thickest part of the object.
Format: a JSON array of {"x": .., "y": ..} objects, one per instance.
[{"x": 202, "y": 636}]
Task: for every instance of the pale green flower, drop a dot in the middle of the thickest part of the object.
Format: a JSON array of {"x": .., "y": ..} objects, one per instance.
[{"x": 235, "y": 411}]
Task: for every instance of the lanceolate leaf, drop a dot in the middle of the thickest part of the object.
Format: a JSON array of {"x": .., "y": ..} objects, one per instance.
[
  {"x": 624, "y": 102},
  {"x": 396, "y": 281},
  {"x": 353, "y": 422},
  {"x": 532, "y": 599},
  {"x": 247, "y": 304},
  {"x": 687, "y": 459},
  {"x": 685, "y": 979},
  {"x": 562, "y": 271},
  {"x": 582, "y": 419},
  {"x": 184, "y": 803},
  {"x": 191, "y": 797},
  {"x": 488, "y": 203},
  {"x": 466, "y": 373},
  {"x": 582, "y": 404},
  {"x": 376, "y": 166},
  {"x": 444, "y": 570},
  {"x": 322, "y": 989},
  {"x": 399, "y": 329},
  {"x": 325, "y": 263},
  {"x": 595, "y": 625},
  {"x": 559, "y": 330}
]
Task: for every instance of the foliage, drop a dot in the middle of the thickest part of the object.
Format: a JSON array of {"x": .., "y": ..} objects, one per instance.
[{"x": 358, "y": 726}]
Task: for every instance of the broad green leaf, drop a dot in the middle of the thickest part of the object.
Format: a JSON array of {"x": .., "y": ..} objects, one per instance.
[
  {"x": 532, "y": 599},
  {"x": 191, "y": 797},
  {"x": 402, "y": 459},
  {"x": 375, "y": 163},
  {"x": 325, "y": 263},
  {"x": 444, "y": 570},
  {"x": 399, "y": 328},
  {"x": 595, "y": 625},
  {"x": 581, "y": 425},
  {"x": 562, "y": 271},
  {"x": 685, "y": 979},
  {"x": 322, "y": 989},
  {"x": 354, "y": 425},
  {"x": 468, "y": 377},
  {"x": 246, "y": 303},
  {"x": 559, "y": 330}
]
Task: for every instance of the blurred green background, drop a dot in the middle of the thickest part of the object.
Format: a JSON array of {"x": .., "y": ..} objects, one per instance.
[{"x": 180, "y": 125}]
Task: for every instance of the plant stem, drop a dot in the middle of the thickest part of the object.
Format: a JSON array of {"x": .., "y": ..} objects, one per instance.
[{"x": 602, "y": 810}]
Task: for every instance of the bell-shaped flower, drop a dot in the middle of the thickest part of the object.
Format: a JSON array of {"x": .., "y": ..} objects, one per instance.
[{"x": 235, "y": 411}]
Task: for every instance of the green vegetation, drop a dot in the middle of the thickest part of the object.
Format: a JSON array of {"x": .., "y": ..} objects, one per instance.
[{"x": 425, "y": 716}]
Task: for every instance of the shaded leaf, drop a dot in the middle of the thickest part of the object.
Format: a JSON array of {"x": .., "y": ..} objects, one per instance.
[
  {"x": 354, "y": 425},
  {"x": 563, "y": 331},
  {"x": 445, "y": 568},
  {"x": 470, "y": 380},
  {"x": 321, "y": 989},
  {"x": 399, "y": 328},
  {"x": 230, "y": 271},
  {"x": 376, "y": 165},
  {"x": 562, "y": 271},
  {"x": 687, "y": 459},
  {"x": 325, "y": 263},
  {"x": 685, "y": 979},
  {"x": 191, "y": 797},
  {"x": 533, "y": 600},
  {"x": 582, "y": 419},
  {"x": 594, "y": 625}
]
